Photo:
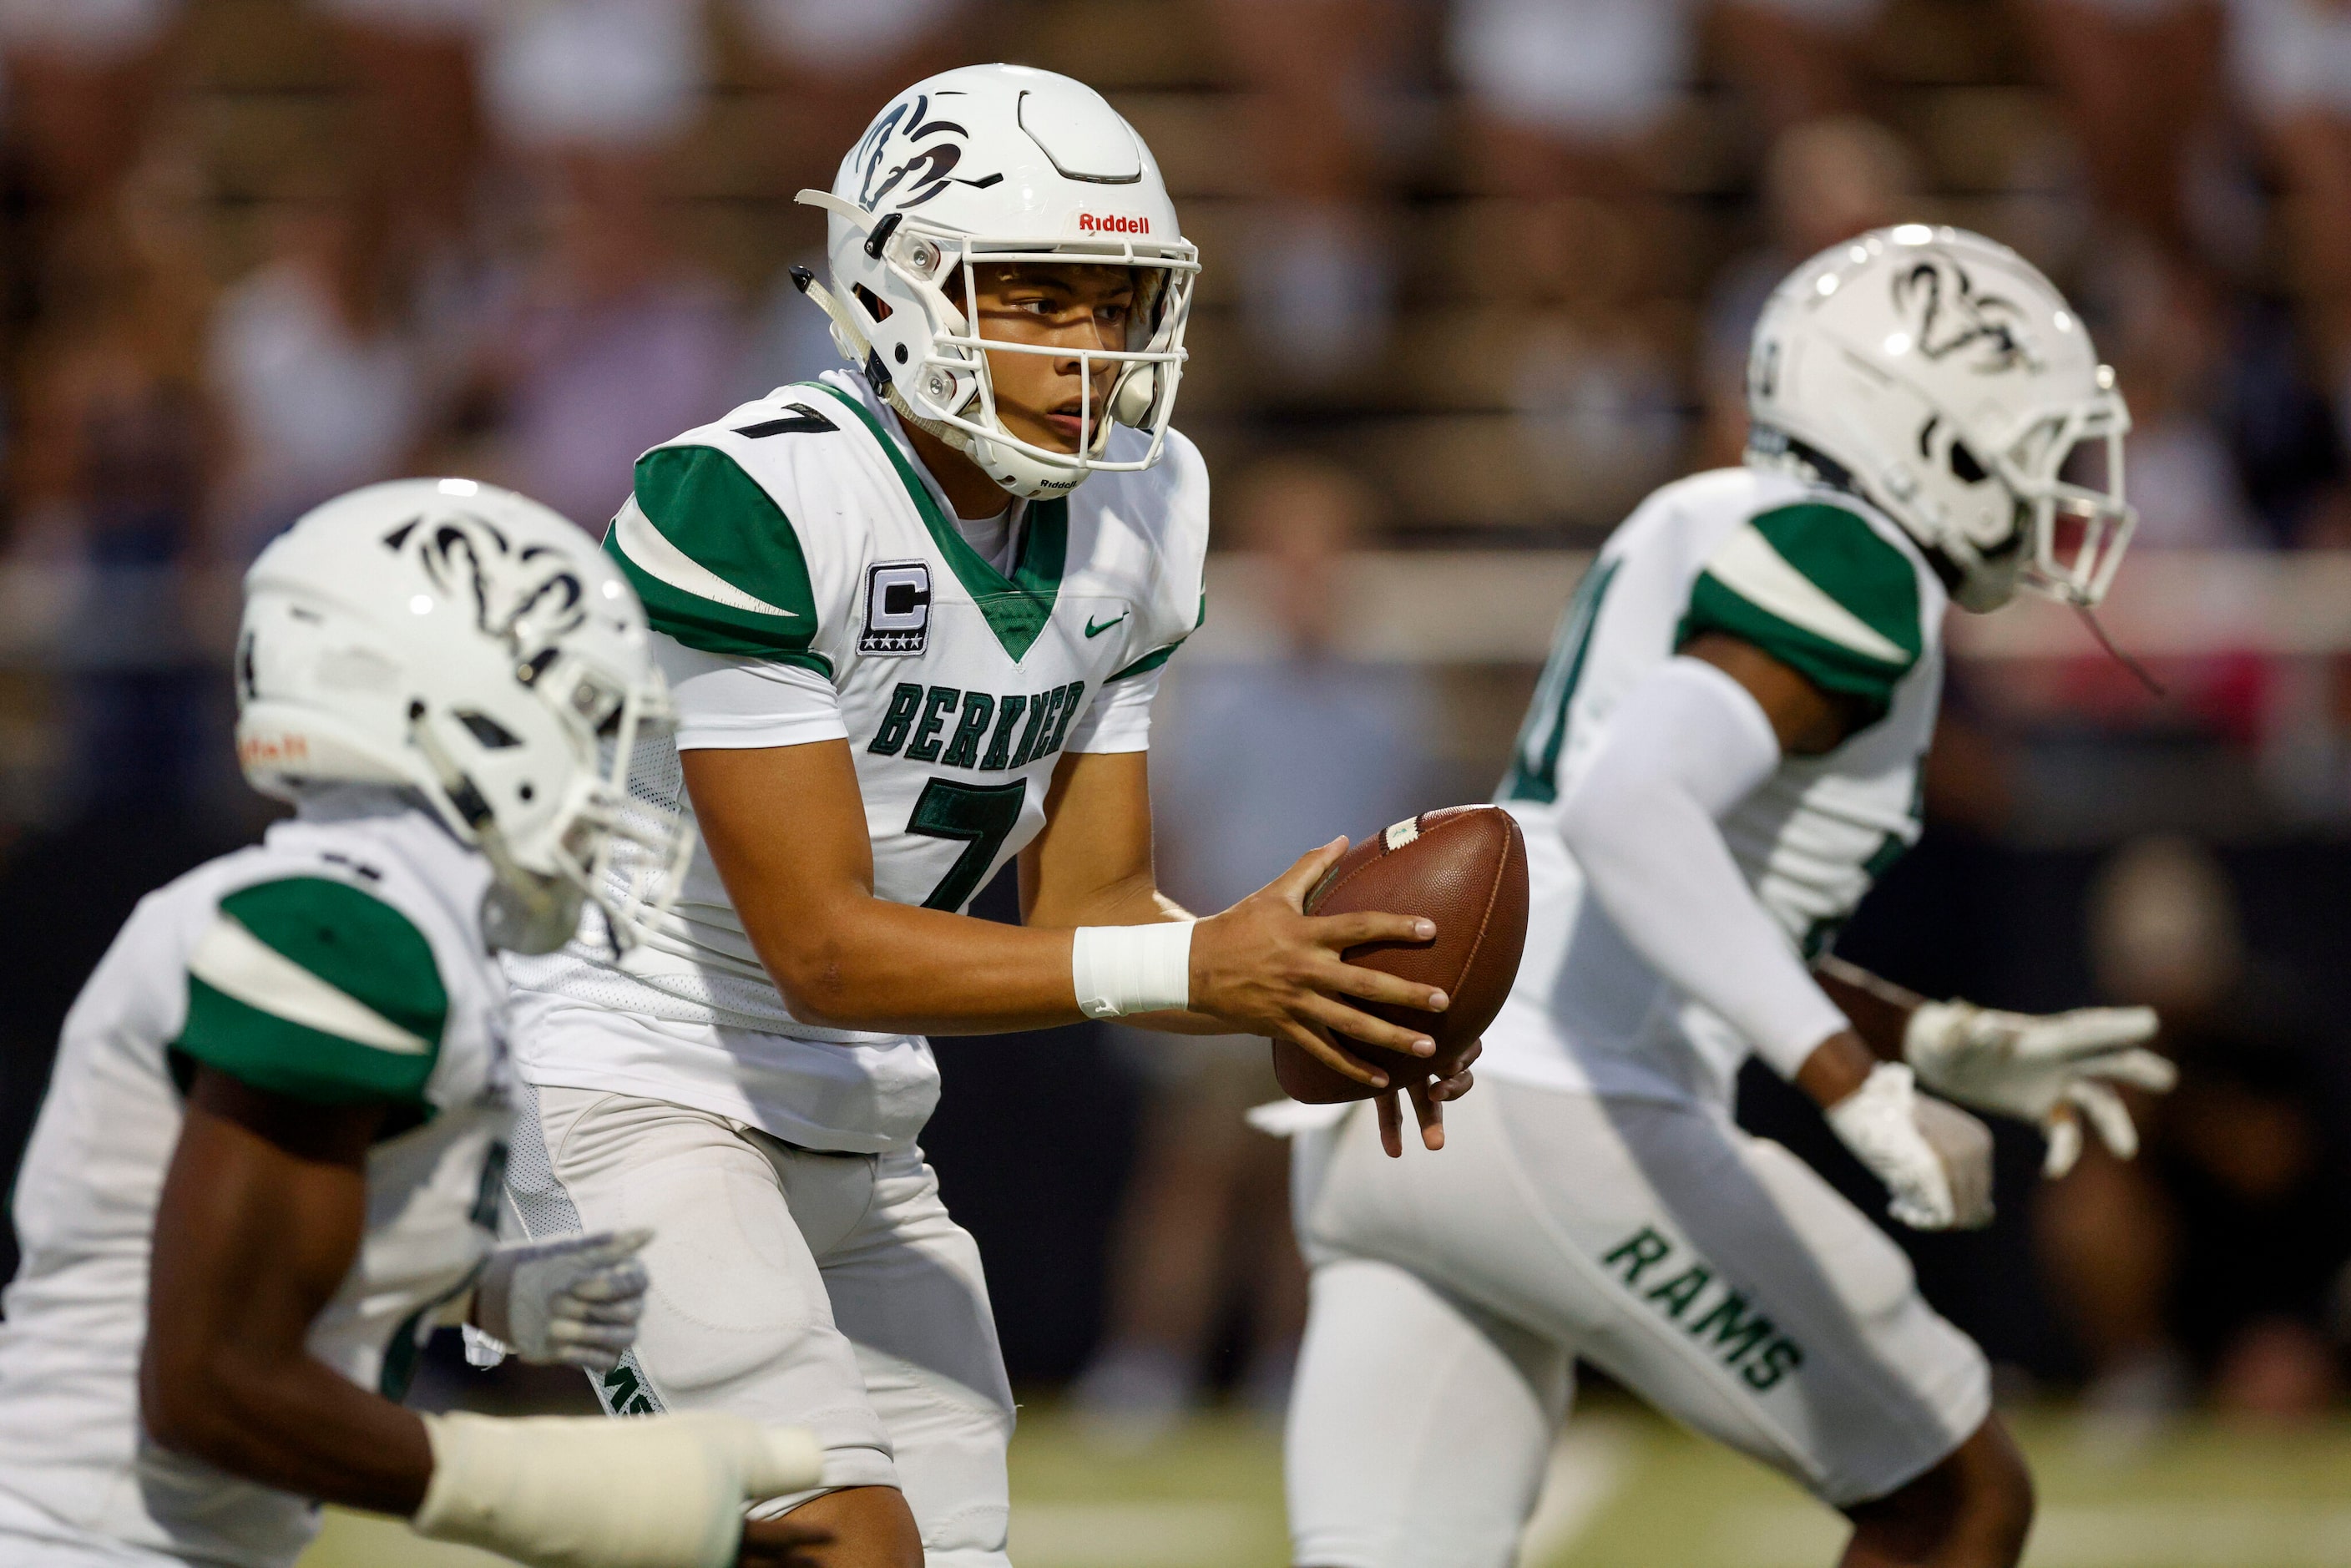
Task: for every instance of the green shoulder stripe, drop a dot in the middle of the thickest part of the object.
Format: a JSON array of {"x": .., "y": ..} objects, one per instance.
[
  {"x": 1148, "y": 663},
  {"x": 715, "y": 560},
  {"x": 1155, "y": 660},
  {"x": 1821, "y": 590},
  {"x": 311, "y": 988}
]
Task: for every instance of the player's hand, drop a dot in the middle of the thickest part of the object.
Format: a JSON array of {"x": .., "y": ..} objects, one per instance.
[
  {"x": 780, "y": 1543},
  {"x": 2050, "y": 1070},
  {"x": 1267, "y": 967},
  {"x": 1429, "y": 1098},
  {"x": 573, "y": 1302},
  {"x": 1934, "y": 1158}
]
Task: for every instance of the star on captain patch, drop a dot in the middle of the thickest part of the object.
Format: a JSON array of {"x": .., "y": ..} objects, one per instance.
[{"x": 897, "y": 608}]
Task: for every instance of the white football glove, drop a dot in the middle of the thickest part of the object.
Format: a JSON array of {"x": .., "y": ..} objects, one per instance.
[
  {"x": 587, "y": 1491},
  {"x": 574, "y": 1301},
  {"x": 1935, "y": 1159},
  {"x": 2041, "y": 1069}
]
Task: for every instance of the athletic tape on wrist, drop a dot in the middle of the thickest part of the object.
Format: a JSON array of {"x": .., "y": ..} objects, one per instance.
[{"x": 1122, "y": 969}]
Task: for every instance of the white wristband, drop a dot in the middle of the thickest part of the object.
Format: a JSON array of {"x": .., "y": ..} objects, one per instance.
[{"x": 1124, "y": 970}]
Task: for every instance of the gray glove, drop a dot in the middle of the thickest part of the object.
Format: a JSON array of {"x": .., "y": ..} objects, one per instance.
[
  {"x": 2041, "y": 1069},
  {"x": 574, "y": 1301}
]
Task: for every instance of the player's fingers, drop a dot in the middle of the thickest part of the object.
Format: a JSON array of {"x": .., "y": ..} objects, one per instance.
[
  {"x": 1378, "y": 985},
  {"x": 1453, "y": 1088},
  {"x": 2086, "y": 1032},
  {"x": 1431, "y": 1113},
  {"x": 1340, "y": 932},
  {"x": 1391, "y": 1124},
  {"x": 600, "y": 1353},
  {"x": 2139, "y": 1069},
  {"x": 1340, "y": 1019},
  {"x": 604, "y": 1336},
  {"x": 2063, "y": 1130},
  {"x": 622, "y": 1310},
  {"x": 1292, "y": 885},
  {"x": 2108, "y": 1115},
  {"x": 621, "y": 1283},
  {"x": 1319, "y": 1046}
]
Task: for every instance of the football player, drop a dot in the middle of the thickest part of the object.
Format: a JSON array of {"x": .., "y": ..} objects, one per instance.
[
  {"x": 913, "y": 615},
  {"x": 1723, "y": 755},
  {"x": 269, "y": 1159}
]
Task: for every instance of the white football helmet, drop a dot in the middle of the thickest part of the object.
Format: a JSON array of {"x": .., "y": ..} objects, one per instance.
[
  {"x": 1001, "y": 163},
  {"x": 1941, "y": 376},
  {"x": 465, "y": 642}
]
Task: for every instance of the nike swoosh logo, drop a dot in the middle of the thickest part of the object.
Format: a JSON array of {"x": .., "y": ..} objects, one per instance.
[{"x": 1094, "y": 630}]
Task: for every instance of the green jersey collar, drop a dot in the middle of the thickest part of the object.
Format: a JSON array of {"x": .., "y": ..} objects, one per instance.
[{"x": 1017, "y": 607}]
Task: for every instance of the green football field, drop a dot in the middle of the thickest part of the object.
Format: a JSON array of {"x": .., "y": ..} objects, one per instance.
[{"x": 1628, "y": 1491}]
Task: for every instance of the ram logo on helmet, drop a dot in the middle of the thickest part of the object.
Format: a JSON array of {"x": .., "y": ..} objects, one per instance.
[
  {"x": 920, "y": 175},
  {"x": 530, "y": 596},
  {"x": 1952, "y": 317}
]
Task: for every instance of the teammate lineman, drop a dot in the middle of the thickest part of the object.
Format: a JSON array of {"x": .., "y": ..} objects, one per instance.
[
  {"x": 1723, "y": 755},
  {"x": 269, "y": 1156},
  {"x": 913, "y": 616}
]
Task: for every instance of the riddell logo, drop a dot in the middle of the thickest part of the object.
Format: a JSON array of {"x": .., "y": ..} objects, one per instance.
[
  {"x": 273, "y": 750},
  {"x": 1111, "y": 224}
]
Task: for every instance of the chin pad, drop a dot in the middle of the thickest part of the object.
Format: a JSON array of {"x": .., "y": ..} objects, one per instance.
[{"x": 1137, "y": 390}]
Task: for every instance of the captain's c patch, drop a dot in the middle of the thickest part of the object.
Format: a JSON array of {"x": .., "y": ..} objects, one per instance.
[{"x": 897, "y": 608}]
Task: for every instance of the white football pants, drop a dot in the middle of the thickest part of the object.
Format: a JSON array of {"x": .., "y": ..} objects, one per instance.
[
  {"x": 1711, "y": 1272},
  {"x": 804, "y": 1289}
]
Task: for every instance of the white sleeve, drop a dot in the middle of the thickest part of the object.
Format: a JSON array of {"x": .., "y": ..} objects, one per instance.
[
  {"x": 1120, "y": 718},
  {"x": 1684, "y": 746},
  {"x": 742, "y": 705}
]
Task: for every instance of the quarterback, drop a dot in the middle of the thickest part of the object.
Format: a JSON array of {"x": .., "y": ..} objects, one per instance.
[
  {"x": 913, "y": 615},
  {"x": 268, "y": 1162},
  {"x": 1723, "y": 755}
]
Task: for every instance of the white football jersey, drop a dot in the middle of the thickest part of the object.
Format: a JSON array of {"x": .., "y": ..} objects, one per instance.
[
  {"x": 798, "y": 540},
  {"x": 338, "y": 960},
  {"x": 1824, "y": 582}
]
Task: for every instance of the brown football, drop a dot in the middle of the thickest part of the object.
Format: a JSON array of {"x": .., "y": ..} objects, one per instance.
[{"x": 1465, "y": 868}]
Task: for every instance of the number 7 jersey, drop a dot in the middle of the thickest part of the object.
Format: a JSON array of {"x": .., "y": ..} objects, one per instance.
[{"x": 794, "y": 546}]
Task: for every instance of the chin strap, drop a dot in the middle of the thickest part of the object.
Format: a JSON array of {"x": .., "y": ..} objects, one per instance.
[
  {"x": 857, "y": 349},
  {"x": 2090, "y": 619},
  {"x": 522, "y": 910},
  {"x": 848, "y": 336}
]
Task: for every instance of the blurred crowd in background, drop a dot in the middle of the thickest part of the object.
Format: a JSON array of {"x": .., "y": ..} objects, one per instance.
[{"x": 1478, "y": 273}]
